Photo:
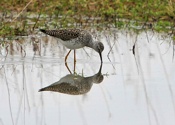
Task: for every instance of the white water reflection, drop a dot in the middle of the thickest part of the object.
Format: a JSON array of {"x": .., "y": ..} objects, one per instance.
[{"x": 136, "y": 89}]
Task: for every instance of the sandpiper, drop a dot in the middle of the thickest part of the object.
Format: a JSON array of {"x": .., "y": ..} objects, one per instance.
[
  {"x": 74, "y": 84},
  {"x": 75, "y": 39}
]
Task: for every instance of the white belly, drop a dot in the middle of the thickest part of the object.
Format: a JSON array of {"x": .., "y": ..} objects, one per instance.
[{"x": 73, "y": 44}]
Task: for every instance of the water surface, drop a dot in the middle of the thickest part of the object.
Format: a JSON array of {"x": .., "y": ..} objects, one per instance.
[{"x": 137, "y": 88}]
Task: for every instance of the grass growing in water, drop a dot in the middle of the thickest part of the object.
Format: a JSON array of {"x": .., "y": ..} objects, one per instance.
[{"x": 22, "y": 17}]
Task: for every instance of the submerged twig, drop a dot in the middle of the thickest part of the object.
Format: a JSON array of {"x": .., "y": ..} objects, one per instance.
[
  {"x": 110, "y": 52},
  {"x": 133, "y": 51},
  {"x": 111, "y": 47},
  {"x": 22, "y": 49},
  {"x": 7, "y": 84},
  {"x": 173, "y": 50}
]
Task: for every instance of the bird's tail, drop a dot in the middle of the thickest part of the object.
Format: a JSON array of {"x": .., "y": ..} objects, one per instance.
[
  {"x": 54, "y": 33},
  {"x": 48, "y": 32},
  {"x": 48, "y": 88},
  {"x": 43, "y": 89},
  {"x": 42, "y": 30}
]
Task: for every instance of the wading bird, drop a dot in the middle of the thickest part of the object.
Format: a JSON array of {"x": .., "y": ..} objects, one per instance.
[{"x": 75, "y": 39}]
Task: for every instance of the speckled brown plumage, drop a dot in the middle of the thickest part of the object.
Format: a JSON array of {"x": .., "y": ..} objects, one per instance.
[
  {"x": 63, "y": 34},
  {"x": 74, "y": 84},
  {"x": 75, "y": 39}
]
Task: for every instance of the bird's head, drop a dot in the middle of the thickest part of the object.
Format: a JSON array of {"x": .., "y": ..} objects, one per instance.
[{"x": 99, "y": 47}]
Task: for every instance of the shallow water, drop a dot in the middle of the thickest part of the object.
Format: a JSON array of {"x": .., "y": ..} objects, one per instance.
[{"x": 135, "y": 89}]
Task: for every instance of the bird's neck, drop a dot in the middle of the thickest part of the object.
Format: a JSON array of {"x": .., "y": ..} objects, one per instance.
[{"x": 92, "y": 44}]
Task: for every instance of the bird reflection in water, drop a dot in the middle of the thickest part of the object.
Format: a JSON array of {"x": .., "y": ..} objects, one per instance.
[{"x": 75, "y": 84}]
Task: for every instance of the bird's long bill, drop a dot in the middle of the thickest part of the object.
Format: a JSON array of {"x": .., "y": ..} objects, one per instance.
[{"x": 101, "y": 57}]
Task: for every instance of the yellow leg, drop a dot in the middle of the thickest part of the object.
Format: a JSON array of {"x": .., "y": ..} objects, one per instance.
[
  {"x": 66, "y": 61},
  {"x": 74, "y": 60},
  {"x": 75, "y": 56},
  {"x": 67, "y": 67},
  {"x": 67, "y": 55}
]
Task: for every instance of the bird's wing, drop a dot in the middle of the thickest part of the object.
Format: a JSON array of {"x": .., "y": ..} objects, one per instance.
[
  {"x": 63, "y": 34},
  {"x": 63, "y": 88}
]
